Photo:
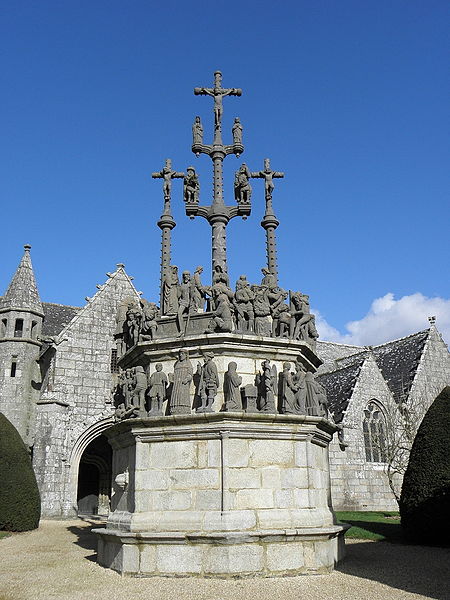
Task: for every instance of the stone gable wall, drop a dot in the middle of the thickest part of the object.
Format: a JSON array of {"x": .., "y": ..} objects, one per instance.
[
  {"x": 356, "y": 483},
  {"x": 78, "y": 392}
]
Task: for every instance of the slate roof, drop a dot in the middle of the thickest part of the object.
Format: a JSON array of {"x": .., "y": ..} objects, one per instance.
[
  {"x": 339, "y": 385},
  {"x": 22, "y": 292},
  {"x": 398, "y": 361},
  {"x": 56, "y": 316}
]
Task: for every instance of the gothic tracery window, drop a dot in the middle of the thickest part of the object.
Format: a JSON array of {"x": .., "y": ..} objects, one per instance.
[{"x": 374, "y": 428}]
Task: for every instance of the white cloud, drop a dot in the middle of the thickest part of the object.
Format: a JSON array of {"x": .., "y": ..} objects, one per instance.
[{"x": 389, "y": 319}]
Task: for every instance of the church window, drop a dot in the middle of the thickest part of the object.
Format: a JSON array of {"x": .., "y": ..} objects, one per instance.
[
  {"x": 18, "y": 328},
  {"x": 13, "y": 368},
  {"x": 114, "y": 365},
  {"x": 4, "y": 326},
  {"x": 374, "y": 428}
]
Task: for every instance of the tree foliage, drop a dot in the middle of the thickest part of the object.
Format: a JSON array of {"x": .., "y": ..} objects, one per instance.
[
  {"x": 425, "y": 497},
  {"x": 20, "y": 503}
]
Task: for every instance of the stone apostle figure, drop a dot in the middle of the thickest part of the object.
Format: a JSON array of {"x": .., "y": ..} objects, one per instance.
[
  {"x": 242, "y": 187},
  {"x": 197, "y": 132},
  {"x": 231, "y": 388},
  {"x": 243, "y": 304},
  {"x": 199, "y": 291},
  {"x": 191, "y": 186},
  {"x": 237, "y": 132},
  {"x": 170, "y": 291},
  {"x": 180, "y": 399},
  {"x": 208, "y": 383},
  {"x": 222, "y": 318},
  {"x": 148, "y": 325},
  {"x": 133, "y": 324},
  {"x": 288, "y": 391},
  {"x": 157, "y": 390},
  {"x": 184, "y": 301},
  {"x": 140, "y": 387},
  {"x": 266, "y": 381}
]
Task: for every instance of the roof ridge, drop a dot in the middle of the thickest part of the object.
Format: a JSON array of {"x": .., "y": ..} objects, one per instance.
[{"x": 402, "y": 338}]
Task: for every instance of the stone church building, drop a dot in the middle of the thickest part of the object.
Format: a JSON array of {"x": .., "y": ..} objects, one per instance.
[{"x": 58, "y": 366}]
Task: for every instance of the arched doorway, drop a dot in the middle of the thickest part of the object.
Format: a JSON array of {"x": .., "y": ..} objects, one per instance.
[{"x": 94, "y": 478}]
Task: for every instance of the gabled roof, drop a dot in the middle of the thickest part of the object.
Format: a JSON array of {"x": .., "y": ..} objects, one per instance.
[
  {"x": 56, "y": 316},
  {"x": 340, "y": 384},
  {"x": 22, "y": 293},
  {"x": 398, "y": 361}
]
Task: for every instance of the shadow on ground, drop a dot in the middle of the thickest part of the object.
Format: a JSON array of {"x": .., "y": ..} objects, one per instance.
[
  {"x": 415, "y": 569},
  {"x": 85, "y": 538},
  {"x": 391, "y": 532}
]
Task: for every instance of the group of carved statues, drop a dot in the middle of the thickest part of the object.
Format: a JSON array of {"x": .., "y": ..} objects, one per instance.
[
  {"x": 135, "y": 322},
  {"x": 138, "y": 394},
  {"x": 257, "y": 309}
]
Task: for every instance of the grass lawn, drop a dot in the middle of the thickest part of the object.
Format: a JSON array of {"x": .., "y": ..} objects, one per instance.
[
  {"x": 4, "y": 534},
  {"x": 378, "y": 526}
]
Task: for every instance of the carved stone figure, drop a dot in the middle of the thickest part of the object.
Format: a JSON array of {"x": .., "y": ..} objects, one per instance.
[
  {"x": 140, "y": 386},
  {"x": 128, "y": 388},
  {"x": 197, "y": 132},
  {"x": 220, "y": 276},
  {"x": 268, "y": 175},
  {"x": 180, "y": 399},
  {"x": 243, "y": 304},
  {"x": 121, "y": 332},
  {"x": 191, "y": 186},
  {"x": 170, "y": 291},
  {"x": 289, "y": 390},
  {"x": 148, "y": 324},
  {"x": 250, "y": 395},
  {"x": 184, "y": 302},
  {"x": 302, "y": 326},
  {"x": 133, "y": 324},
  {"x": 237, "y": 132},
  {"x": 167, "y": 174},
  {"x": 261, "y": 307},
  {"x": 218, "y": 93},
  {"x": 199, "y": 292},
  {"x": 266, "y": 382},
  {"x": 157, "y": 390},
  {"x": 276, "y": 296},
  {"x": 242, "y": 187},
  {"x": 231, "y": 388},
  {"x": 222, "y": 317},
  {"x": 316, "y": 398},
  {"x": 300, "y": 384},
  {"x": 208, "y": 383}
]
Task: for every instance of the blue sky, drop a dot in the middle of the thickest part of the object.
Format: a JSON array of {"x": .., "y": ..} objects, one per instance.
[{"x": 347, "y": 98}]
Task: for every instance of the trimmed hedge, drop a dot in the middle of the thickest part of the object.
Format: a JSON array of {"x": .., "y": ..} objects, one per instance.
[
  {"x": 425, "y": 497},
  {"x": 20, "y": 503}
]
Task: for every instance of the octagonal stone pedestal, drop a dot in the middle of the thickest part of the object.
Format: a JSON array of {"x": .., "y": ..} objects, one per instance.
[{"x": 221, "y": 494}]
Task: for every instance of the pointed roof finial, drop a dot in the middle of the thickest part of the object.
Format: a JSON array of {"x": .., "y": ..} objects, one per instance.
[
  {"x": 22, "y": 293},
  {"x": 432, "y": 320}
]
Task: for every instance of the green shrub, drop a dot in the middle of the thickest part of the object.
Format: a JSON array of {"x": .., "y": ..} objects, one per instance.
[
  {"x": 425, "y": 497},
  {"x": 20, "y": 503}
]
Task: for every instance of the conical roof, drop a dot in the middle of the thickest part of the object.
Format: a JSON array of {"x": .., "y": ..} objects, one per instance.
[{"x": 22, "y": 293}]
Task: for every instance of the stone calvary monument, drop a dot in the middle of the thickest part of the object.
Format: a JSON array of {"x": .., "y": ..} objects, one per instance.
[{"x": 220, "y": 450}]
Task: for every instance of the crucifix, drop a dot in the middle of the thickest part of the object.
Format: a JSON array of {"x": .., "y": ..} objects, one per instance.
[
  {"x": 217, "y": 214},
  {"x": 218, "y": 93},
  {"x": 167, "y": 174},
  {"x": 166, "y": 223},
  {"x": 269, "y": 222}
]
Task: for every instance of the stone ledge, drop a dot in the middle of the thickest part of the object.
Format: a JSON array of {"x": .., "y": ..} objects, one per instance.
[{"x": 225, "y": 538}]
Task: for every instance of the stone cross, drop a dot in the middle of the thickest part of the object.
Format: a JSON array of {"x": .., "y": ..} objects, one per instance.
[
  {"x": 218, "y": 93},
  {"x": 167, "y": 174},
  {"x": 217, "y": 214},
  {"x": 269, "y": 222},
  {"x": 166, "y": 223}
]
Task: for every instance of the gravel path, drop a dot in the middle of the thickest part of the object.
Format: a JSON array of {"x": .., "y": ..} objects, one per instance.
[{"x": 58, "y": 561}]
